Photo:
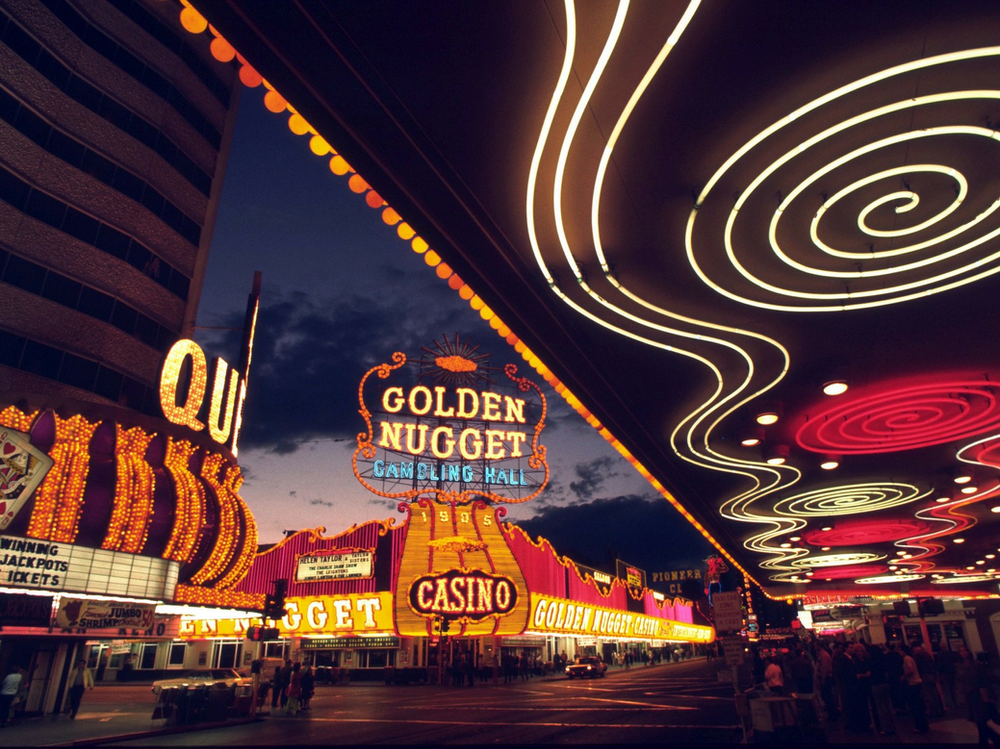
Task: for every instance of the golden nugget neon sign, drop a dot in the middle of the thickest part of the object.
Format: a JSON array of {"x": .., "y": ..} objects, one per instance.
[{"x": 457, "y": 443}]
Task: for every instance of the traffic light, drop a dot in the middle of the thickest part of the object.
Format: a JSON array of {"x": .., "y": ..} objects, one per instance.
[
  {"x": 274, "y": 605},
  {"x": 262, "y": 634}
]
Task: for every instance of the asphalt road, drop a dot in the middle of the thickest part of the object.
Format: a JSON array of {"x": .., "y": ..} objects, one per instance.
[{"x": 677, "y": 702}]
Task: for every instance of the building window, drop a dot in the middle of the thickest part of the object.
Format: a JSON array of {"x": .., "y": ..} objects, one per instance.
[
  {"x": 376, "y": 658},
  {"x": 227, "y": 653},
  {"x": 176, "y": 657},
  {"x": 147, "y": 657}
]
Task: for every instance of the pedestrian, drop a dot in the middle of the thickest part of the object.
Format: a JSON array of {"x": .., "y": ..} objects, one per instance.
[
  {"x": 894, "y": 676},
  {"x": 913, "y": 686},
  {"x": 286, "y": 677},
  {"x": 275, "y": 687},
  {"x": 843, "y": 674},
  {"x": 294, "y": 689},
  {"x": 774, "y": 677},
  {"x": 857, "y": 695},
  {"x": 80, "y": 679},
  {"x": 885, "y": 723},
  {"x": 470, "y": 670},
  {"x": 824, "y": 679},
  {"x": 308, "y": 686},
  {"x": 801, "y": 670},
  {"x": 928, "y": 677},
  {"x": 8, "y": 690},
  {"x": 946, "y": 660}
]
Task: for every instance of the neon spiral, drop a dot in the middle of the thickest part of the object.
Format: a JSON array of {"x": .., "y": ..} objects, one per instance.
[
  {"x": 904, "y": 418},
  {"x": 839, "y": 560},
  {"x": 809, "y": 167},
  {"x": 966, "y": 579},
  {"x": 850, "y": 499},
  {"x": 860, "y": 532},
  {"x": 888, "y": 579}
]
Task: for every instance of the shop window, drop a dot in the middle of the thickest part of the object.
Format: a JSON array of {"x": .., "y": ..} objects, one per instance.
[
  {"x": 275, "y": 650},
  {"x": 147, "y": 657},
  {"x": 376, "y": 658},
  {"x": 176, "y": 658},
  {"x": 327, "y": 658},
  {"x": 227, "y": 654}
]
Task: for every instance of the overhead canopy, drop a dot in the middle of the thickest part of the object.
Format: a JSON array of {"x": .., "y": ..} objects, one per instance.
[{"x": 695, "y": 215}]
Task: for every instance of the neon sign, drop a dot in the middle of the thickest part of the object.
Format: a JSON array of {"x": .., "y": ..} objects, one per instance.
[
  {"x": 549, "y": 614},
  {"x": 469, "y": 594},
  {"x": 182, "y": 406},
  {"x": 454, "y": 440}
]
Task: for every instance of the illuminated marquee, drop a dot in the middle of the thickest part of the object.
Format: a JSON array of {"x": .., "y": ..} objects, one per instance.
[
  {"x": 65, "y": 567},
  {"x": 457, "y": 442},
  {"x": 341, "y": 564},
  {"x": 353, "y": 613},
  {"x": 466, "y": 594},
  {"x": 561, "y": 616}
]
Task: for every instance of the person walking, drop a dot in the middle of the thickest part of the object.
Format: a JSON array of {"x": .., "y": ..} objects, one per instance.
[
  {"x": 276, "y": 687},
  {"x": 885, "y": 723},
  {"x": 928, "y": 676},
  {"x": 308, "y": 686},
  {"x": 824, "y": 678},
  {"x": 8, "y": 690},
  {"x": 858, "y": 694},
  {"x": 80, "y": 679},
  {"x": 774, "y": 677},
  {"x": 294, "y": 689},
  {"x": 284, "y": 676},
  {"x": 913, "y": 685}
]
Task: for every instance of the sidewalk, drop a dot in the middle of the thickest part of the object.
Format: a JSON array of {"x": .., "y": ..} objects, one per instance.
[
  {"x": 106, "y": 712},
  {"x": 947, "y": 730}
]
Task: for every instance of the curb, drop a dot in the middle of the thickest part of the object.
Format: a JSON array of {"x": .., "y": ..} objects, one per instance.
[{"x": 166, "y": 731}]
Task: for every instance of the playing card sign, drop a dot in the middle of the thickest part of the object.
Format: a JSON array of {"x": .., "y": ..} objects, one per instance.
[{"x": 22, "y": 468}]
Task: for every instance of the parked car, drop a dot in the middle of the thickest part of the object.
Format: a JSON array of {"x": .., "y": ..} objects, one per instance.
[
  {"x": 586, "y": 666},
  {"x": 226, "y": 677}
]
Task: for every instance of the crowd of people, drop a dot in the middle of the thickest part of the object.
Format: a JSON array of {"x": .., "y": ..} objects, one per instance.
[
  {"x": 869, "y": 685},
  {"x": 292, "y": 687}
]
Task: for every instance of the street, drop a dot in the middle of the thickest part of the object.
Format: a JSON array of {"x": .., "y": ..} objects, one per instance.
[
  {"x": 682, "y": 702},
  {"x": 675, "y": 702}
]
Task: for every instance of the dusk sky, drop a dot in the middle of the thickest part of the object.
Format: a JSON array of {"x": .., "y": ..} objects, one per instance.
[{"x": 341, "y": 293}]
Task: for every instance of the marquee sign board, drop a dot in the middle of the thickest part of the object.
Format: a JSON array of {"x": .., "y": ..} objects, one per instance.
[
  {"x": 440, "y": 426},
  {"x": 46, "y": 565},
  {"x": 345, "y": 564}
]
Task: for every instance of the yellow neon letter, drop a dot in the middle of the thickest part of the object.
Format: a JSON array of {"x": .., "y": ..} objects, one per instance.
[{"x": 186, "y": 415}]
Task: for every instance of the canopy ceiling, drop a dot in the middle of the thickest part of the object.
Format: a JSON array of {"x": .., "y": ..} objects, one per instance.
[{"x": 694, "y": 215}]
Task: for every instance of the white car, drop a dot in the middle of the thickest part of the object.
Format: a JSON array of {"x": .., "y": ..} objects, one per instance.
[{"x": 208, "y": 677}]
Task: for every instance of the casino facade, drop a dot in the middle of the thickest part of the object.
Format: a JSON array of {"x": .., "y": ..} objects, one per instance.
[
  {"x": 115, "y": 128},
  {"x": 381, "y": 595}
]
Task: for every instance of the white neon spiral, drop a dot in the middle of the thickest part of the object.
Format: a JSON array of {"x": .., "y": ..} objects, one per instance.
[{"x": 812, "y": 273}]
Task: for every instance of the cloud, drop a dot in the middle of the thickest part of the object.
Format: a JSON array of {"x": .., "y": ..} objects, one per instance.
[
  {"x": 310, "y": 354},
  {"x": 592, "y": 475},
  {"x": 643, "y": 530}
]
